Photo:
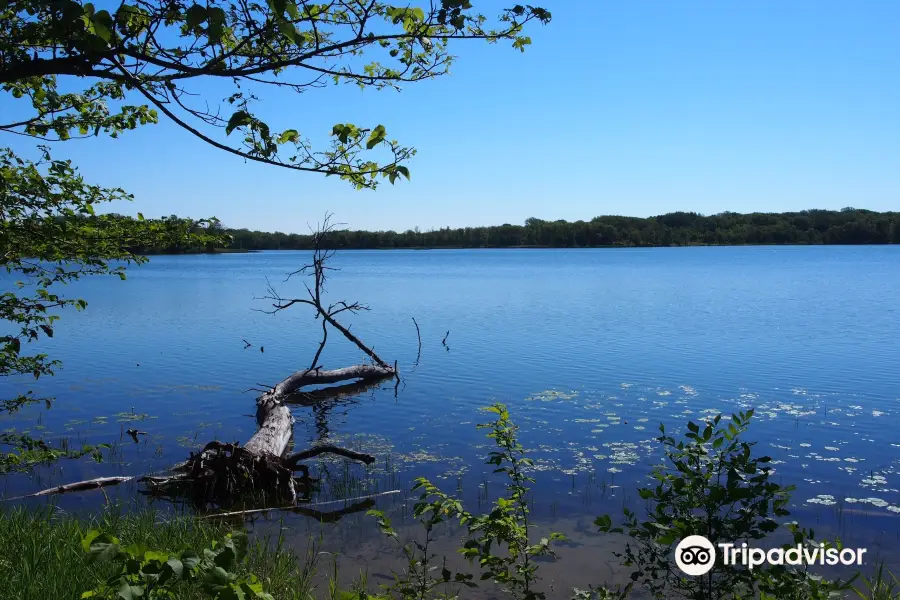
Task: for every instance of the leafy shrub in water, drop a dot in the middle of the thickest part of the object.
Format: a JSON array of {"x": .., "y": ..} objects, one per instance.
[
  {"x": 712, "y": 485},
  {"x": 498, "y": 540},
  {"x": 418, "y": 580}
]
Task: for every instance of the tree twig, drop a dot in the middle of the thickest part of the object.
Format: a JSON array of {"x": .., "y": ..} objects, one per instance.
[{"x": 419, "y": 336}]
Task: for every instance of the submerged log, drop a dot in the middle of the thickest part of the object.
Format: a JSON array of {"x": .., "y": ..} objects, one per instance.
[{"x": 291, "y": 461}]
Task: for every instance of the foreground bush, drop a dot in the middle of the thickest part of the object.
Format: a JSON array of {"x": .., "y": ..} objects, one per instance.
[{"x": 43, "y": 556}]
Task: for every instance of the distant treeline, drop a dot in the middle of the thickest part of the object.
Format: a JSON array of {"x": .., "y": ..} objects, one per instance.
[{"x": 847, "y": 226}]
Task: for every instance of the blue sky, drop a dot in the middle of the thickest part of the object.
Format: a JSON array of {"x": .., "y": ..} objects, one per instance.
[{"x": 635, "y": 108}]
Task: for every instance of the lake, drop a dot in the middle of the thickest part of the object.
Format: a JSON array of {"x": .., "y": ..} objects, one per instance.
[{"x": 591, "y": 349}]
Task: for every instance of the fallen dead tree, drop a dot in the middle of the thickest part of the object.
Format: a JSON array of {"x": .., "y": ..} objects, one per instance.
[
  {"x": 261, "y": 466},
  {"x": 225, "y": 475}
]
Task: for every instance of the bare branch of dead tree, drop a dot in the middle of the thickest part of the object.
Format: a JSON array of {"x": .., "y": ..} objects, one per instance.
[{"x": 318, "y": 270}]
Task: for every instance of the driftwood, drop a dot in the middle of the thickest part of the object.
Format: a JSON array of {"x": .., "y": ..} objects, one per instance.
[
  {"x": 224, "y": 470},
  {"x": 78, "y": 486},
  {"x": 227, "y": 474}
]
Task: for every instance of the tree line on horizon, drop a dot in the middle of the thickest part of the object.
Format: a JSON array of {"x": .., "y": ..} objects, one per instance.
[
  {"x": 847, "y": 226},
  {"x": 808, "y": 227}
]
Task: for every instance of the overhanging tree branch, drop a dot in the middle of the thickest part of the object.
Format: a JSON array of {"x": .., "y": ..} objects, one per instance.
[{"x": 149, "y": 45}]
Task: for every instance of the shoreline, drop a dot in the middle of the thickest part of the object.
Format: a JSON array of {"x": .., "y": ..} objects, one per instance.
[{"x": 426, "y": 248}]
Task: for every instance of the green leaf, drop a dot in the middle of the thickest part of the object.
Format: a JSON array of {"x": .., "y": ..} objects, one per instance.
[
  {"x": 376, "y": 137},
  {"x": 292, "y": 9},
  {"x": 287, "y": 30},
  {"x": 176, "y": 567},
  {"x": 603, "y": 522},
  {"x": 226, "y": 558},
  {"x": 155, "y": 555},
  {"x": 521, "y": 42},
  {"x": 135, "y": 550},
  {"x": 101, "y": 547},
  {"x": 190, "y": 559},
  {"x": 215, "y": 16},
  {"x": 102, "y": 25},
  {"x": 290, "y": 135},
  {"x": 130, "y": 592},
  {"x": 238, "y": 119},
  {"x": 88, "y": 538},
  {"x": 195, "y": 15}
]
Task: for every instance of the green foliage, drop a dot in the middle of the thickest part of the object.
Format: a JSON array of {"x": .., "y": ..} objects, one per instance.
[
  {"x": 883, "y": 586},
  {"x": 600, "y": 593},
  {"x": 499, "y": 540},
  {"x": 155, "y": 50},
  {"x": 27, "y": 452},
  {"x": 506, "y": 527},
  {"x": 42, "y": 555},
  {"x": 418, "y": 581},
  {"x": 712, "y": 485},
  {"x": 147, "y": 573}
]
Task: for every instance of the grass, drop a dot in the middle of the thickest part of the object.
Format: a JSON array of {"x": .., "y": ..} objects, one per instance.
[
  {"x": 883, "y": 586},
  {"x": 41, "y": 555}
]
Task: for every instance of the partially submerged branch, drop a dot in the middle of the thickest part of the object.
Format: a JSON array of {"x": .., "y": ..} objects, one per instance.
[
  {"x": 308, "y": 377},
  {"x": 224, "y": 474},
  {"x": 328, "y": 449}
]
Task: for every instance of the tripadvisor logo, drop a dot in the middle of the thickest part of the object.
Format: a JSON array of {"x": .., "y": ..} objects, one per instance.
[{"x": 695, "y": 555}]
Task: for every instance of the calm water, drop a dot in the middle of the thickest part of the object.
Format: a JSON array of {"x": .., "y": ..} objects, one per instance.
[{"x": 592, "y": 349}]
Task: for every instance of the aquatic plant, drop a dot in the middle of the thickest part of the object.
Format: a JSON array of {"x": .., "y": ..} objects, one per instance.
[
  {"x": 713, "y": 485},
  {"x": 883, "y": 586},
  {"x": 498, "y": 540}
]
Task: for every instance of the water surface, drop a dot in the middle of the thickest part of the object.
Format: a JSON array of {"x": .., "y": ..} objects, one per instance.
[{"x": 591, "y": 349}]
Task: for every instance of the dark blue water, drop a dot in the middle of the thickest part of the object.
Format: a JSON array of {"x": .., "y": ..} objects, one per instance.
[{"x": 591, "y": 349}]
